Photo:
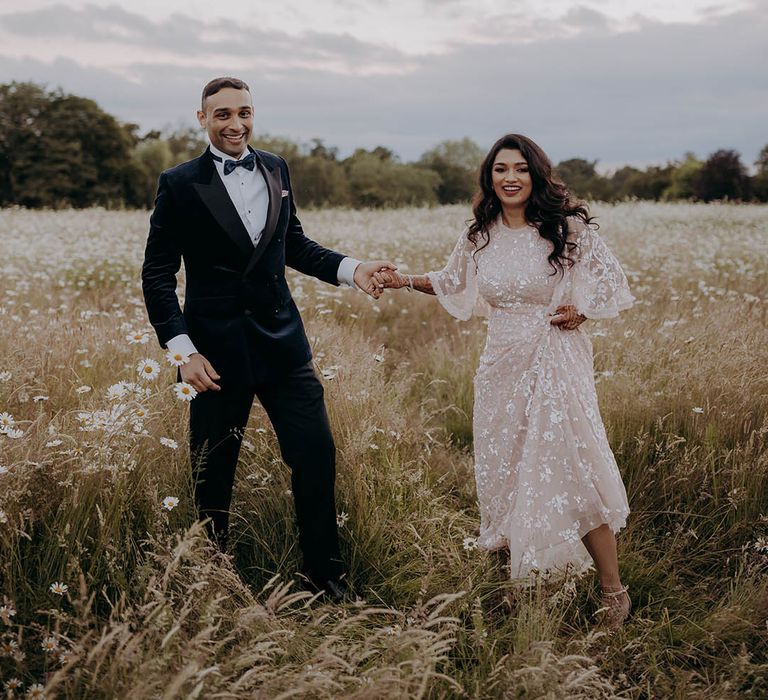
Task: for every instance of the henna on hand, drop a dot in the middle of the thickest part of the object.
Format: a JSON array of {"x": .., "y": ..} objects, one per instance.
[{"x": 567, "y": 318}]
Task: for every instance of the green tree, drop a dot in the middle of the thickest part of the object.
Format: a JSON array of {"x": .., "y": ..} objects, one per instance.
[
  {"x": 683, "y": 179},
  {"x": 61, "y": 150},
  {"x": 582, "y": 179},
  {"x": 723, "y": 176},
  {"x": 377, "y": 180},
  {"x": 760, "y": 181},
  {"x": 457, "y": 163}
]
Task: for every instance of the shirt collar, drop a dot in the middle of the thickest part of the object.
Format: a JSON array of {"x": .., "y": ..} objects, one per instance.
[{"x": 224, "y": 156}]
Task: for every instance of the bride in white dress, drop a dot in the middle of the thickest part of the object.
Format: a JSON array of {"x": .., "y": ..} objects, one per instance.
[{"x": 531, "y": 261}]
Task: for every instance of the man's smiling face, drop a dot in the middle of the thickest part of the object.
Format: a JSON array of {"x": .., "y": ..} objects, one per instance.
[{"x": 227, "y": 116}]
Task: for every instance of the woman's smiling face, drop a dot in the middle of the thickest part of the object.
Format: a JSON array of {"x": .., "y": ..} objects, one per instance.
[{"x": 511, "y": 179}]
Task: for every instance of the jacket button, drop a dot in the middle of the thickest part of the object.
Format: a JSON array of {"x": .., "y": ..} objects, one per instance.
[
  {"x": 247, "y": 312},
  {"x": 274, "y": 277},
  {"x": 277, "y": 311}
]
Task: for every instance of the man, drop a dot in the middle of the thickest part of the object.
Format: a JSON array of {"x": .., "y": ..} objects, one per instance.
[{"x": 231, "y": 216}]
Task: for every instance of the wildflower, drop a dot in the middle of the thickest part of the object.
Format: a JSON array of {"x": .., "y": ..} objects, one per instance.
[
  {"x": 36, "y": 691},
  {"x": 137, "y": 338},
  {"x": 59, "y": 588},
  {"x": 3, "y": 521},
  {"x": 378, "y": 358},
  {"x": 6, "y": 421},
  {"x": 6, "y": 613},
  {"x": 470, "y": 543},
  {"x": 13, "y": 433},
  {"x": 761, "y": 545},
  {"x": 148, "y": 369},
  {"x": 184, "y": 391},
  {"x": 697, "y": 409},
  {"x": 170, "y": 502},
  {"x": 50, "y": 644},
  {"x": 177, "y": 359},
  {"x": 117, "y": 391},
  {"x": 38, "y": 399},
  {"x": 53, "y": 443},
  {"x": 342, "y": 518},
  {"x": 84, "y": 389},
  {"x": 168, "y": 442},
  {"x": 8, "y": 647},
  {"x": 330, "y": 372},
  {"x": 5, "y": 376},
  {"x": 12, "y": 684}
]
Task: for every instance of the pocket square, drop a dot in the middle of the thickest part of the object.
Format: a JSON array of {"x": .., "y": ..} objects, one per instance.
[{"x": 284, "y": 193}]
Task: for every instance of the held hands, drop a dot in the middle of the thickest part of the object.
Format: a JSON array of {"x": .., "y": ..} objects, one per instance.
[
  {"x": 199, "y": 373},
  {"x": 567, "y": 318},
  {"x": 367, "y": 276},
  {"x": 391, "y": 279}
]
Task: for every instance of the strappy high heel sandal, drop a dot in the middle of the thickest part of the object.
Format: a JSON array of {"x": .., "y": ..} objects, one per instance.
[{"x": 616, "y": 607}]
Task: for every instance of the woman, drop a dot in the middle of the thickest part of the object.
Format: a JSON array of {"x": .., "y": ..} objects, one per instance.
[{"x": 547, "y": 481}]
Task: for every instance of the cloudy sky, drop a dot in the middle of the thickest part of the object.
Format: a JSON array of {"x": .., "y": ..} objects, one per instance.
[{"x": 621, "y": 81}]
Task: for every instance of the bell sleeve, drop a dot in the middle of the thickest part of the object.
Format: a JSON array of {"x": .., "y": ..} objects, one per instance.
[
  {"x": 456, "y": 284},
  {"x": 599, "y": 287}
]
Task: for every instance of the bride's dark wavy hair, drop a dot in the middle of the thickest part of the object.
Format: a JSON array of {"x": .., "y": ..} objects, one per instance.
[{"x": 547, "y": 209}]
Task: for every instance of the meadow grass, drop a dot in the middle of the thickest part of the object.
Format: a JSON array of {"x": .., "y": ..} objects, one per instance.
[{"x": 151, "y": 610}]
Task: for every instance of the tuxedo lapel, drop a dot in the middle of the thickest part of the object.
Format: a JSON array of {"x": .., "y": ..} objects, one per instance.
[
  {"x": 274, "y": 187},
  {"x": 215, "y": 197}
]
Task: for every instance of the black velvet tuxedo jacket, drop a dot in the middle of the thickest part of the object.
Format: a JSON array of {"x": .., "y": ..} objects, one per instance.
[{"x": 238, "y": 310}]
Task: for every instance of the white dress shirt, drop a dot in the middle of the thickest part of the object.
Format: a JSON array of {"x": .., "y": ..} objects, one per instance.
[{"x": 248, "y": 191}]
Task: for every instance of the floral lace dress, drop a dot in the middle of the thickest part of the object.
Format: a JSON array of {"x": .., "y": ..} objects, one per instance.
[{"x": 544, "y": 470}]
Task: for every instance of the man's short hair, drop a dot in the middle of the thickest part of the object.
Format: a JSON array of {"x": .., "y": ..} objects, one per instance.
[{"x": 219, "y": 84}]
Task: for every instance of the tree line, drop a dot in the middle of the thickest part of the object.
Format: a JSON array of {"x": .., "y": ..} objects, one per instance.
[{"x": 61, "y": 150}]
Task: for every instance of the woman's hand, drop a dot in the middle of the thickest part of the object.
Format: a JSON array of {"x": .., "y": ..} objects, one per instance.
[
  {"x": 567, "y": 318},
  {"x": 391, "y": 279}
]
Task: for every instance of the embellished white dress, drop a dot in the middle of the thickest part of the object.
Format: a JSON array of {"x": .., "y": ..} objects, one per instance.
[{"x": 544, "y": 470}]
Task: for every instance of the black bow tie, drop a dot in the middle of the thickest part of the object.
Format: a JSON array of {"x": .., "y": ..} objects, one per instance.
[{"x": 249, "y": 163}]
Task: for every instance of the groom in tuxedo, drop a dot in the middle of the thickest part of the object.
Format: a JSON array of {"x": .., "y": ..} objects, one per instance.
[{"x": 230, "y": 215}]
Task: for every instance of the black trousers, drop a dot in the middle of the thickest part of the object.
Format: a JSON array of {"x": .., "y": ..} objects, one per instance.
[{"x": 295, "y": 406}]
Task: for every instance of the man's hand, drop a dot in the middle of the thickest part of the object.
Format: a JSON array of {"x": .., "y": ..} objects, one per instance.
[
  {"x": 199, "y": 373},
  {"x": 390, "y": 279},
  {"x": 567, "y": 318},
  {"x": 365, "y": 276}
]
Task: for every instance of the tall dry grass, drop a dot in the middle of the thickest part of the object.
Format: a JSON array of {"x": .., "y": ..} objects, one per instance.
[{"x": 150, "y": 610}]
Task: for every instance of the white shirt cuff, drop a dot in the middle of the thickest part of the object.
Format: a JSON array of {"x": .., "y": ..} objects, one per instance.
[
  {"x": 181, "y": 344},
  {"x": 346, "y": 272}
]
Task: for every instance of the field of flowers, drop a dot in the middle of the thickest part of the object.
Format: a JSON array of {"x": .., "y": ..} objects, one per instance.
[{"x": 109, "y": 590}]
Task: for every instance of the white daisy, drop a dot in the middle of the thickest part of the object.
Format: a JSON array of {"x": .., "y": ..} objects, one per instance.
[
  {"x": 13, "y": 684},
  {"x": 184, "y": 391},
  {"x": 378, "y": 358},
  {"x": 5, "y": 376},
  {"x": 37, "y": 399},
  {"x": 148, "y": 369},
  {"x": 176, "y": 358},
  {"x": 53, "y": 443},
  {"x": 137, "y": 337},
  {"x": 84, "y": 389},
  {"x": 470, "y": 543},
  {"x": 168, "y": 442},
  {"x": 50, "y": 644},
  {"x": 6, "y": 613},
  {"x": 3, "y": 521},
  {"x": 342, "y": 519},
  {"x": 697, "y": 409},
  {"x": 116, "y": 391},
  {"x": 36, "y": 691},
  {"x": 6, "y": 420},
  {"x": 13, "y": 433},
  {"x": 59, "y": 588},
  {"x": 170, "y": 502}
]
